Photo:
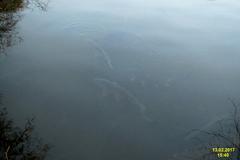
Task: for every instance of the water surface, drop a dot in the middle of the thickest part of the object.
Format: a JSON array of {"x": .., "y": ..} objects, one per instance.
[{"x": 123, "y": 79}]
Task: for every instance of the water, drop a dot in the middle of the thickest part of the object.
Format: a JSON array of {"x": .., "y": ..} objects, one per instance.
[{"x": 123, "y": 79}]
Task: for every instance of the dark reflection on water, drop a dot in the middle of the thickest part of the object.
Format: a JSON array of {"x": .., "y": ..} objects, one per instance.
[
  {"x": 10, "y": 15},
  {"x": 124, "y": 80},
  {"x": 8, "y": 33}
]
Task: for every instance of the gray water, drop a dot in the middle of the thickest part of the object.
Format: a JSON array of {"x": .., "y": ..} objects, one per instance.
[{"x": 123, "y": 80}]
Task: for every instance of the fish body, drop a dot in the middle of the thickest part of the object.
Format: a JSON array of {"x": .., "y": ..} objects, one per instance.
[{"x": 105, "y": 83}]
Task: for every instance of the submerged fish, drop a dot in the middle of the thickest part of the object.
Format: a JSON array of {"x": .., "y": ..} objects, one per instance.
[
  {"x": 103, "y": 52},
  {"x": 105, "y": 83}
]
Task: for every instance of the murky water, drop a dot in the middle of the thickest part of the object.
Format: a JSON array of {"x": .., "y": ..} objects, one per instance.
[{"x": 123, "y": 79}]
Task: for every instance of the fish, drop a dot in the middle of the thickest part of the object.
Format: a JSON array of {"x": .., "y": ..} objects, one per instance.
[
  {"x": 111, "y": 84},
  {"x": 103, "y": 52}
]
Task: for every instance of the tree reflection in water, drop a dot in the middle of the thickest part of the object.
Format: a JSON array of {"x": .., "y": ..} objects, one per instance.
[
  {"x": 8, "y": 34},
  {"x": 10, "y": 15},
  {"x": 17, "y": 143}
]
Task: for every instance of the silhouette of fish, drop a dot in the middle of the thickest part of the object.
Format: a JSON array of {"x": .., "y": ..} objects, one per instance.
[{"x": 105, "y": 83}]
